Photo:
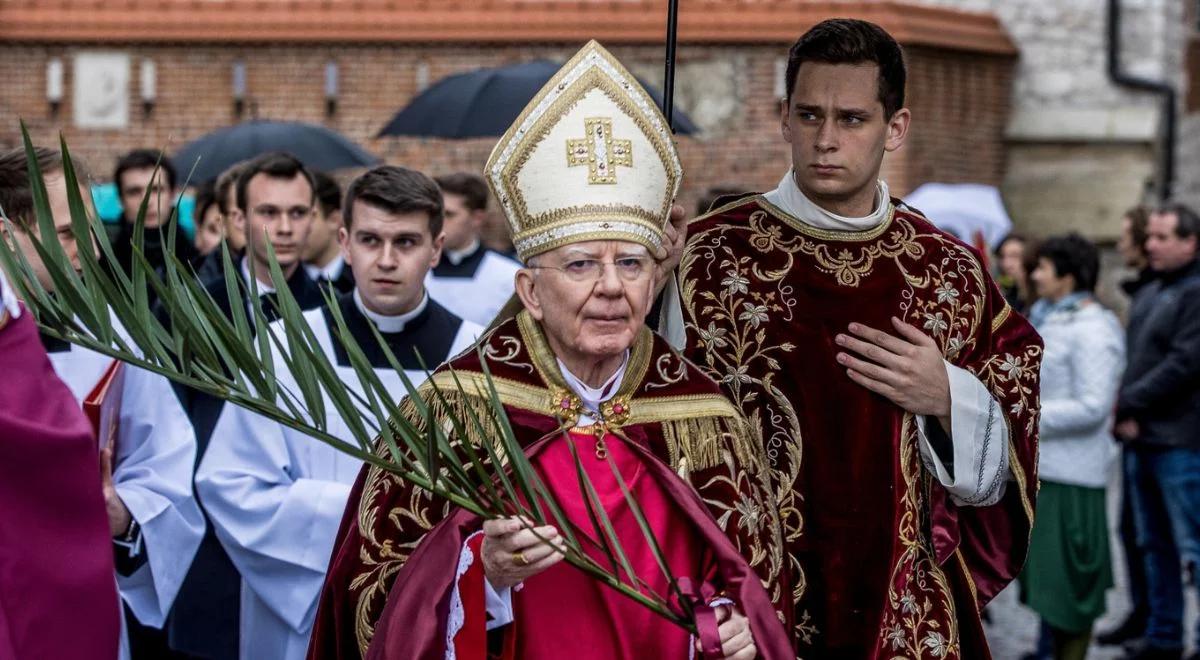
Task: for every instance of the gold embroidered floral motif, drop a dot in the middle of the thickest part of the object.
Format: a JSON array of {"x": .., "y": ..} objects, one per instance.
[
  {"x": 733, "y": 342},
  {"x": 733, "y": 295},
  {"x": 920, "y": 621},
  {"x": 839, "y": 254}
]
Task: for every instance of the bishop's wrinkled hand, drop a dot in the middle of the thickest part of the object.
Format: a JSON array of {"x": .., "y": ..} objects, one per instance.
[
  {"x": 907, "y": 368},
  {"x": 513, "y": 551}
]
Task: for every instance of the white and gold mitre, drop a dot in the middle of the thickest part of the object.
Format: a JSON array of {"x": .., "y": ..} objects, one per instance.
[{"x": 590, "y": 158}]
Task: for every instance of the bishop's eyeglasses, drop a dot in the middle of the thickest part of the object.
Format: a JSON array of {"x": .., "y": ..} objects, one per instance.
[{"x": 629, "y": 269}]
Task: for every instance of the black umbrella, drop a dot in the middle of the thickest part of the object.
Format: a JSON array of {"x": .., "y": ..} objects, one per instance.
[
  {"x": 485, "y": 102},
  {"x": 316, "y": 146}
]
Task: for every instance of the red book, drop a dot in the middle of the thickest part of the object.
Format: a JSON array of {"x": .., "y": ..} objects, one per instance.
[{"x": 103, "y": 404}]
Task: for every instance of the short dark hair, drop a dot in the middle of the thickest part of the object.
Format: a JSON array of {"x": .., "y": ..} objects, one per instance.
[
  {"x": 1187, "y": 224},
  {"x": 206, "y": 198},
  {"x": 396, "y": 190},
  {"x": 276, "y": 165},
  {"x": 1019, "y": 238},
  {"x": 16, "y": 193},
  {"x": 227, "y": 181},
  {"x": 471, "y": 187},
  {"x": 140, "y": 159},
  {"x": 1073, "y": 255},
  {"x": 851, "y": 41},
  {"x": 1139, "y": 217},
  {"x": 329, "y": 193}
]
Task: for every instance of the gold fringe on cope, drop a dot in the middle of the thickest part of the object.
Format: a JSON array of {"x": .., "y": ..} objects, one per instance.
[
  {"x": 700, "y": 443},
  {"x": 700, "y": 431}
]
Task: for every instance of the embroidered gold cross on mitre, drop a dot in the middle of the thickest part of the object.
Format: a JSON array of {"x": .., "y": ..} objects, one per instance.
[{"x": 599, "y": 151}]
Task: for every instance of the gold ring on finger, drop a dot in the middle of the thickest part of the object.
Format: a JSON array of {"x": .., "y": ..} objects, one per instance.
[{"x": 519, "y": 559}]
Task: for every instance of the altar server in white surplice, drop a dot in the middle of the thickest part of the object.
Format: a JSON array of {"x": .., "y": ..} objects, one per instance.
[
  {"x": 146, "y": 465},
  {"x": 276, "y": 496},
  {"x": 470, "y": 280}
]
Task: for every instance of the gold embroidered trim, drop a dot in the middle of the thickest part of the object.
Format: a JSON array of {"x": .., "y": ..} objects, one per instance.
[
  {"x": 1019, "y": 475},
  {"x": 592, "y": 213},
  {"x": 1001, "y": 317},
  {"x": 522, "y": 139},
  {"x": 827, "y": 234},
  {"x": 700, "y": 442},
  {"x": 685, "y": 406},
  {"x": 590, "y": 223},
  {"x": 642, "y": 410},
  {"x": 511, "y": 392},
  {"x": 962, "y": 563}
]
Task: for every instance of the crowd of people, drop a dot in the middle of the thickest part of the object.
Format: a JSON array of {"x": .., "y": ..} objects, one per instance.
[
  {"x": 851, "y": 434},
  {"x": 1113, "y": 395}
]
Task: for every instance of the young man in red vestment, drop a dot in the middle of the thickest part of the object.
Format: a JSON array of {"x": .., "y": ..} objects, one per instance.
[
  {"x": 586, "y": 177},
  {"x": 895, "y": 389}
]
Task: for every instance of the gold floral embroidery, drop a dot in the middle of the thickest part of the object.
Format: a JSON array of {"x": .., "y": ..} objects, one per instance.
[
  {"x": 837, "y": 253},
  {"x": 734, "y": 347},
  {"x": 946, "y": 301},
  {"x": 732, "y": 295},
  {"x": 920, "y": 621}
]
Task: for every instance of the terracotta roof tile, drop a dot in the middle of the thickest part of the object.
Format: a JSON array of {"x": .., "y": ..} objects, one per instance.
[{"x": 492, "y": 21}]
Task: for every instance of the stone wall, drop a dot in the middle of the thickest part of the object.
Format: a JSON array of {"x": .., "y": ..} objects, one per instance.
[
  {"x": 1080, "y": 149},
  {"x": 961, "y": 100}
]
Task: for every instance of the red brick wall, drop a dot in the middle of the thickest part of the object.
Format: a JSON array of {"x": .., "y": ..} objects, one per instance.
[{"x": 959, "y": 100}]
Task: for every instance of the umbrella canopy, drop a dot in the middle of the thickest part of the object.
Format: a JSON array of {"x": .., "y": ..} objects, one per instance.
[
  {"x": 967, "y": 210},
  {"x": 485, "y": 102},
  {"x": 316, "y": 146}
]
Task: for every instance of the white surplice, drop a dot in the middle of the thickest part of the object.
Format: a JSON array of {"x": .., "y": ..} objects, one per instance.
[
  {"x": 474, "y": 283},
  {"x": 276, "y": 496}
]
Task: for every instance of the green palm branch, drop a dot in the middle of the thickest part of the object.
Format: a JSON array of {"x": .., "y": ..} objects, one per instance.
[{"x": 190, "y": 341}]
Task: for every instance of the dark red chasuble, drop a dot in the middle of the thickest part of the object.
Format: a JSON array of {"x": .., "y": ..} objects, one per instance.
[
  {"x": 882, "y": 563},
  {"x": 687, "y": 448},
  {"x": 58, "y": 589}
]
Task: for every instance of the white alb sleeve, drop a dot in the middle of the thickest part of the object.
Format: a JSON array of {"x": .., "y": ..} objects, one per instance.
[{"x": 979, "y": 467}]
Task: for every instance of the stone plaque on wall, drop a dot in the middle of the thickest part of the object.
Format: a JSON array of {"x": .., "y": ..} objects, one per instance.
[{"x": 101, "y": 89}]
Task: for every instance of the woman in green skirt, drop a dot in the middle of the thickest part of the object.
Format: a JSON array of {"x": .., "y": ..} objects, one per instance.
[{"x": 1068, "y": 570}]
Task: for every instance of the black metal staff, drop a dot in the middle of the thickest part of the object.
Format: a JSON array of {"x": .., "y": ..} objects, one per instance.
[{"x": 669, "y": 79}]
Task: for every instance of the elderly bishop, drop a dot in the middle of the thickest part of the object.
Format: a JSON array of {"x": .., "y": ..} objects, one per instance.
[{"x": 586, "y": 178}]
